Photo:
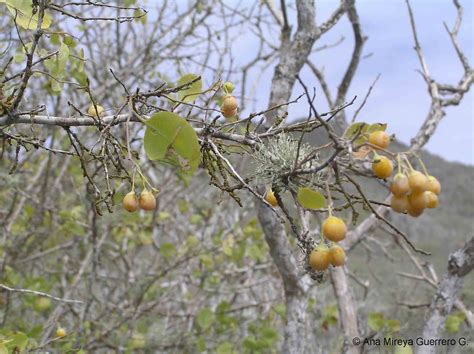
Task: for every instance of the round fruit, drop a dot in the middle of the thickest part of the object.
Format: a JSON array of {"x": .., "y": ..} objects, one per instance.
[
  {"x": 147, "y": 200},
  {"x": 42, "y": 304},
  {"x": 379, "y": 139},
  {"x": 319, "y": 258},
  {"x": 432, "y": 199},
  {"x": 418, "y": 200},
  {"x": 433, "y": 185},
  {"x": 229, "y": 103},
  {"x": 400, "y": 185},
  {"x": 229, "y": 86},
  {"x": 229, "y": 106},
  {"x": 337, "y": 256},
  {"x": 399, "y": 204},
  {"x": 334, "y": 229},
  {"x": 229, "y": 113},
  {"x": 417, "y": 181},
  {"x": 270, "y": 198},
  {"x": 60, "y": 332},
  {"x": 414, "y": 211},
  {"x": 96, "y": 113},
  {"x": 130, "y": 202},
  {"x": 382, "y": 167}
]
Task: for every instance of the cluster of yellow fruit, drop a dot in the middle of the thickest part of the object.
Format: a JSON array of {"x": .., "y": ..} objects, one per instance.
[
  {"x": 146, "y": 201},
  {"x": 412, "y": 192},
  {"x": 334, "y": 229},
  {"x": 229, "y": 106}
]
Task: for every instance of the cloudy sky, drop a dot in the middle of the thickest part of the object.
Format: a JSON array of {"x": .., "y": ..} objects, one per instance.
[{"x": 400, "y": 97}]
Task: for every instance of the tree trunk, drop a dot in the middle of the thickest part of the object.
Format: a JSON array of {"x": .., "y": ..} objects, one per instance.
[{"x": 460, "y": 263}]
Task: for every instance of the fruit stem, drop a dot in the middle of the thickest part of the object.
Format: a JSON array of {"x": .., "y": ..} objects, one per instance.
[
  {"x": 328, "y": 191},
  {"x": 399, "y": 164},
  {"x": 408, "y": 163},
  {"x": 133, "y": 179},
  {"x": 422, "y": 165}
]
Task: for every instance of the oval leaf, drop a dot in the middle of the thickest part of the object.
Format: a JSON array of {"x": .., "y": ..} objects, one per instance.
[
  {"x": 22, "y": 11},
  {"x": 192, "y": 91},
  {"x": 205, "y": 318},
  {"x": 354, "y": 128},
  {"x": 376, "y": 127},
  {"x": 170, "y": 138},
  {"x": 310, "y": 199}
]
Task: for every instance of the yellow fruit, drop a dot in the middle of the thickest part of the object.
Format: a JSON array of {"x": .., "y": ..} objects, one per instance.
[
  {"x": 229, "y": 106},
  {"x": 147, "y": 200},
  {"x": 229, "y": 103},
  {"x": 270, "y": 198},
  {"x": 379, "y": 139},
  {"x": 334, "y": 229},
  {"x": 42, "y": 304},
  {"x": 319, "y": 258},
  {"x": 337, "y": 256},
  {"x": 414, "y": 211},
  {"x": 417, "y": 181},
  {"x": 418, "y": 200},
  {"x": 95, "y": 113},
  {"x": 382, "y": 167},
  {"x": 229, "y": 113},
  {"x": 432, "y": 199},
  {"x": 433, "y": 185},
  {"x": 60, "y": 332},
  {"x": 130, "y": 202},
  {"x": 400, "y": 185},
  {"x": 399, "y": 204}
]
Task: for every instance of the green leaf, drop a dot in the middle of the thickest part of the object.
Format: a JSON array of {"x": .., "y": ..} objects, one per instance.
[
  {"x": 399, "y": 349},
  {"x": 269, "y": 333},
  {"x": 453, "y": 322},
  {"x": 201, "y": 344},
  {"x": 225, "y": 348},
  {"x": 19, "y": 340},
  {"x": 392, "y": 325},
  {"x": 22, "y": 11},
  {"x": 310, "y": 199},
  {"x": 168, "y": 250},
  {"x": 354, "y": 128},
  {"x": 376, "y": 127},
  {"x": 205, "y": 318},
  {"x": 3, "y": 349},
  {"x": 170, "y": 138},
  {"x": 376, "y": 321},
  {"x": 70, "y": 42},
  {"x": 189, "y": 94},
  {"x": 19, "y": 57},
  {"x": 63, "y": 57},
  {"x": 280, "y": 309}
]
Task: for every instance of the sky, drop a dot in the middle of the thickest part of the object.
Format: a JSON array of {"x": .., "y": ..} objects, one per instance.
[{"x": 400, "y": 96}]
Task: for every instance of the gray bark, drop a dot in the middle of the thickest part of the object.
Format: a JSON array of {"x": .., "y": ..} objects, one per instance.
[
  {"x": 295, "y": 286},
  {"x": 293, "y": 55},
  {"x": 347, "y": 310},
  {"x": 460, "y": 264}
]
